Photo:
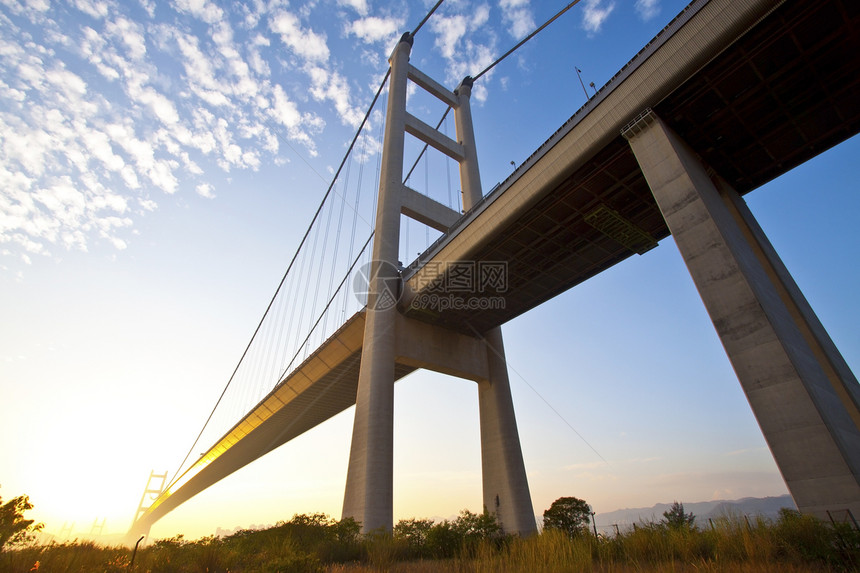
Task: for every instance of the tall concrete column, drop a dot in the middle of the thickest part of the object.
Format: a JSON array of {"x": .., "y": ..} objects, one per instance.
[
  {"x": 505, "y": 485},
  {"x": 470, "y": 174},
  {"x": 370, "y": 475},
  {"x": 800, "y": 389}
]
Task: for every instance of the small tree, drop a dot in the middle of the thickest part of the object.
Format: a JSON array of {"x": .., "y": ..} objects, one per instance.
[
  {"x": 414, "y": 533},
  {"x": 569, "y": 515},
  {"x": 14, "y": 529},
  {"x": 477, "y": 527},
  {"x": 444, "y": 540},
  {"x": 676, "y": 518}
]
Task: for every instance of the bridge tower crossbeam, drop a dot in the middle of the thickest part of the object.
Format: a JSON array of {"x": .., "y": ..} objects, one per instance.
[{"x": 390, "y": 338}]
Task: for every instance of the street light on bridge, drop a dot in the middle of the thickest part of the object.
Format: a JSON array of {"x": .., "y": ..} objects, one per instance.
[{"x": 578, "y": 72}]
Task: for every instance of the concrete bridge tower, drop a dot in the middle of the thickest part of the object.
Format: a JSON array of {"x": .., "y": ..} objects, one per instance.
[{"x": 391, "y": 339}]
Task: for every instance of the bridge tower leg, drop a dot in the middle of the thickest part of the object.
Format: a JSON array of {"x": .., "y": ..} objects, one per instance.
[
  {"x": 804, "y": 396},
  {"x": 370, "y": 475},
  {"x": 505, "y": 486},
  {"x": 150, "y": 492}
]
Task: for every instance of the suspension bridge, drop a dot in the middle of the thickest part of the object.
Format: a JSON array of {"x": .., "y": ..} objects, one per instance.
[{"x": 727, "y": 97}]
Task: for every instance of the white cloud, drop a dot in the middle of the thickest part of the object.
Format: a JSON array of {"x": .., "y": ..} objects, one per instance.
[
  {"x": 449, "y": 31},
  {"x": 359, "y": 6},
  {"x": 333, "y": 87},
  {"x": 595, "y": 14},
  {"x": 200, "y": 72},
  {"x": 201, "y": 9},
  {"x": 69, "y": 86},
  {"x": 149, "y": 6},
  {"x": 481, "y": 16},
  {"x": 100, "y": 147},
  {"x": 306, "y": 43},
  {"x": 92, "y": 8},
  {"x": 161, "y": 174},
  {"x": 466, "y": 44},
  {"x": 367, "y": 147},
  {"x": 131, "y": 34},
  {"x": 375, "y": 29},
  {"x": 231, "y": 153},
  {"x": 205, "y": 190},
  {"x": 518, "y": 17},
  {"x": 160, "y": 104},
  {"x": 32, "y": 7},
  {"x": 111, "y": 109},
  {"x": 647, "y": 8},
  {"x": 285, "y": 111}
]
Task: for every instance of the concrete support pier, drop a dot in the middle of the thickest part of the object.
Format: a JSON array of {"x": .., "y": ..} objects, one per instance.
[
  {"x": 804, "y": 396},
  {"x": 506, "y": 488}
]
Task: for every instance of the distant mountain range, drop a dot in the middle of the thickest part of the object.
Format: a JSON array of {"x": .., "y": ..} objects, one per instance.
[{"x": 703, "y": 510}]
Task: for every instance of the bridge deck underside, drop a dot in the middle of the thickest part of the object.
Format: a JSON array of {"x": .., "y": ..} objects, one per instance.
[{"x": 784, "y": 92}]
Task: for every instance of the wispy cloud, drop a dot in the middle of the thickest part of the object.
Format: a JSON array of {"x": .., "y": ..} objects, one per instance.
[
  {"x": 375, "y": 29},
  {"x": 100, "y": 114},
  {"x": 518, "y": 17},
  {"x": 595, "y": 13},
  {"x": 746, "y": 451},
  {"x": 647, "y": 9},
  {"x": 359, "y": 6},
  {"x": 585, "y": 466},
  {"x": 333, "y": 87},
  {"x": 465, "y": 44},
  {"x": 201, "y": 9},
  {"x": 304, "y": 42},
  {"x": 205, "y": 190}
]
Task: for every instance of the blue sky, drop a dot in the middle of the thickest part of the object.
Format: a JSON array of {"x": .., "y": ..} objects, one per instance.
[{"x": 162, "y": 160}]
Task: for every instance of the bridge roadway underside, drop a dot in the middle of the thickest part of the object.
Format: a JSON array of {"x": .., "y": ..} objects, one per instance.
[
  {"x": 783, "y": 92},
  {"x": 321, "y": 387}
]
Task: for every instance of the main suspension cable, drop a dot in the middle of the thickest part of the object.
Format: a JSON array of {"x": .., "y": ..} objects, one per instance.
[
  {"x": 427, "y": 17},
  {"x": 527, "y": 38}
]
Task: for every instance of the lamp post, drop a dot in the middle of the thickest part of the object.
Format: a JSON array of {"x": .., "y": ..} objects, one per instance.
[{"x": 578, "y": 72}]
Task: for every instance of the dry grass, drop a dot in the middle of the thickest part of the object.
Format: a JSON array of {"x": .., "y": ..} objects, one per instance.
[
  {"x": 794, "y": 543},
  {"x": 464, "y": 567}
]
